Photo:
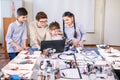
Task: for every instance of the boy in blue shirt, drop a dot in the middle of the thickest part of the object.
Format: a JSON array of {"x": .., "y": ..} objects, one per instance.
[{"x": 16, "y": 36}]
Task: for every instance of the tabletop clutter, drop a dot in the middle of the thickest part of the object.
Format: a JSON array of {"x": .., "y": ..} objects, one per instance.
[{"x": 84, "y": 64}]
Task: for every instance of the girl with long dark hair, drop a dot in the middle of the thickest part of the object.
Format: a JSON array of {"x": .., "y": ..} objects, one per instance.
[{"x": 72, "y": 30}]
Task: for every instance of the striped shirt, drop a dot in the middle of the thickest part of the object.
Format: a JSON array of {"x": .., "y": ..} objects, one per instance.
[
  {"x": 16, "y": 32},
  {"x": 81, "y": 33}
]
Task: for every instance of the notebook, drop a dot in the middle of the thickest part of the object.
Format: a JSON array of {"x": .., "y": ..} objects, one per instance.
[{"x": 58, "y": 45}]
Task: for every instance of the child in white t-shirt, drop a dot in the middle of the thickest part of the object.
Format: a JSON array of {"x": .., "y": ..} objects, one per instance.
[{"x": 54, "y": 28}]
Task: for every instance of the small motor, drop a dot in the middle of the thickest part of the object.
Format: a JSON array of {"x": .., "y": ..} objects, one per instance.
[{"x": 47, "y": 52}]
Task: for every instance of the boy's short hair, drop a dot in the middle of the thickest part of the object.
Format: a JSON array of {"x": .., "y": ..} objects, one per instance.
[
  {"x": 54, "y": 25},
  {"x": 40, "y": 15},
  {"x": 22, "y": 11}
]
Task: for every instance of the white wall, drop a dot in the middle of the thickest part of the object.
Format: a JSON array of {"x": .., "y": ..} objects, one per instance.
[
  {"x": 0, "y": 25},
  {"x": 112, "y": 22},
  {"x": 97, "y": 36},
  {"x": 28, "y": 4}
]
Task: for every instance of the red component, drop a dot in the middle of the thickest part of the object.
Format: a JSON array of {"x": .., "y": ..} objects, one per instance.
[
  {"x": 27, "y": 57},
  {"x": 26, "y": 53}
]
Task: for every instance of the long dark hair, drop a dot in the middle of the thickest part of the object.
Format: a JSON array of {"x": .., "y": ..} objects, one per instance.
[{"x": 69, "y": 14}]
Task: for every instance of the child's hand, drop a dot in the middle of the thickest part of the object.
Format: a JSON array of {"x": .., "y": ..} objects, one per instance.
[
  {"x": 80, "y": 43},
  {"x": 60, "y": 33},
  {"x": 19, "y": 48},
  {"x": 26, "y": 47},
  {"x": 75, "y": 43}
]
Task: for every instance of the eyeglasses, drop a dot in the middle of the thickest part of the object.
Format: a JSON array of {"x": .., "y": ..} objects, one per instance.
[{"x": 43, "y": 21}]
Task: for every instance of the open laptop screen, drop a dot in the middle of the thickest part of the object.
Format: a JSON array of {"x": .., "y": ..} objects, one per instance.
[{"x": 54, "y": 44}]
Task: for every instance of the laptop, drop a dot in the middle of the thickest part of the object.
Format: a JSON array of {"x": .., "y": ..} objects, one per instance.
[{"x": 58, "y": 45}]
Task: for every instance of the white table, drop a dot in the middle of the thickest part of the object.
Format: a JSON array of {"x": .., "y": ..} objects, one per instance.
[
  {"x": 19, "y": 66},
  {"x": 72, "y": 73},
  {"x": 32, "y": 71},
  {"x": 112, "y": 56}
]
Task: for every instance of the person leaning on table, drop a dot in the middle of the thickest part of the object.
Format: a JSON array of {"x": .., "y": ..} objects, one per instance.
[
  {"x": 73, "y": 30},
  {"x": 17, "y": 34},
  {"x": 39, "y": 30}
]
